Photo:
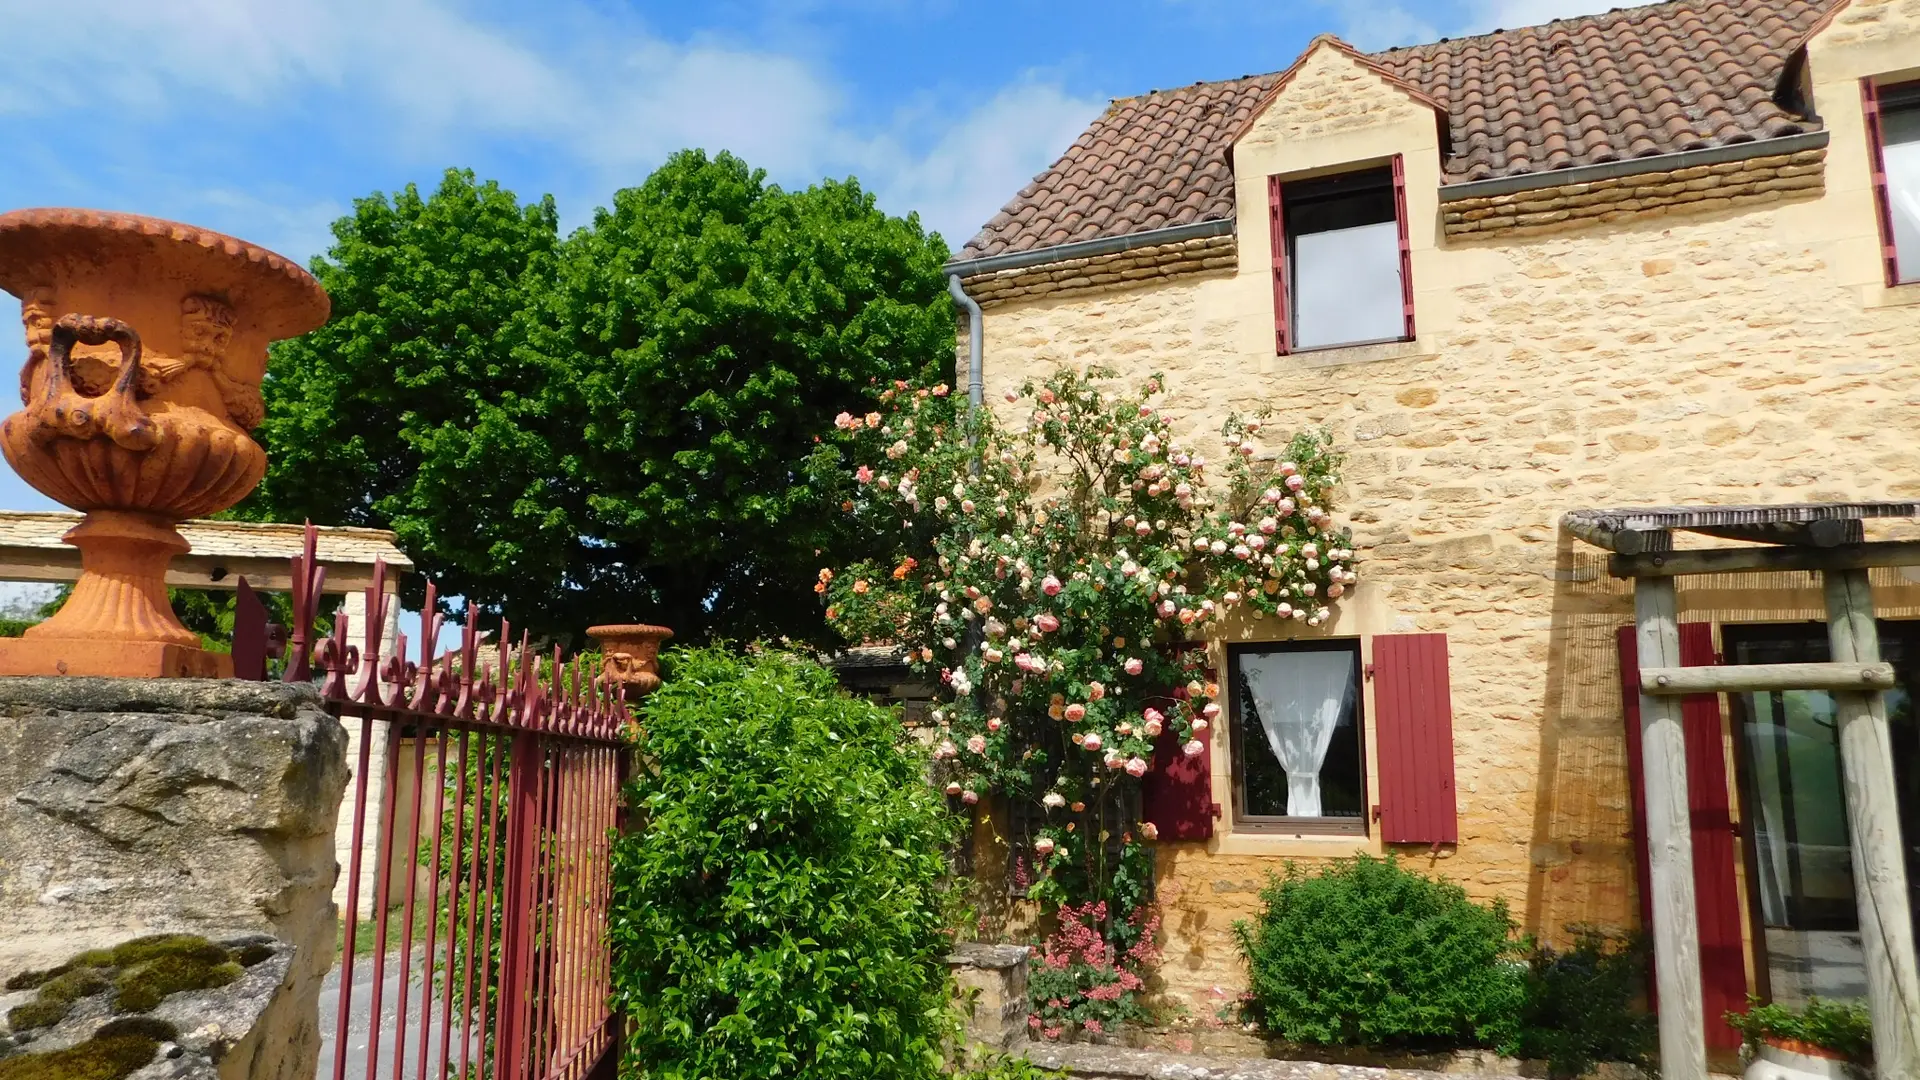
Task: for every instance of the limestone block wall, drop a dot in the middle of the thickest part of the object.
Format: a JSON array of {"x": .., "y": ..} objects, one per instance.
[{"x": 1720, "y": 354}]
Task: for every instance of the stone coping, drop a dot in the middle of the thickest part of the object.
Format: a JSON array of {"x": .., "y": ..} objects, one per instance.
[
  {"x": 177, "y": 698},
  {"x": 1084, "y": 1061}
]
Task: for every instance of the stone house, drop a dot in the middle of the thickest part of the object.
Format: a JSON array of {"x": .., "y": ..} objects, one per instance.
[{"x": 1667, "y": 255}]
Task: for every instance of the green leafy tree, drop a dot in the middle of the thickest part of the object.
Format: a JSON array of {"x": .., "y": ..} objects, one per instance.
[
  {"x": 713, "y": 325},
  {"x": 779, "y": 910},
  {"x": 417, "y": 407},
  {"x": 616, "y": 425}
]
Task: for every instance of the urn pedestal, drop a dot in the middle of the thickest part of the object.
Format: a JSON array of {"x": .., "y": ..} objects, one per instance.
[
  {"x": 146, "y": 344},
  {"x": 630, "y": 657}
]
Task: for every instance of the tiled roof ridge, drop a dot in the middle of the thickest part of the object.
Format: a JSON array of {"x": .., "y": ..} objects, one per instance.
[{"x": 1629, "y": 83}]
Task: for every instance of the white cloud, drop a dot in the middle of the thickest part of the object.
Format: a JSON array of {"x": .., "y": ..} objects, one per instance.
[
  {"x": 427, "y": 76},
  {"x": 982, "y": 160}
]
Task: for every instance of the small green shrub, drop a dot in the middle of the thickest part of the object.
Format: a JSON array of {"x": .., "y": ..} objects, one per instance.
[
  {"x": 779, "y": 910},
  {"x": 1366, "y": 952},
  {"x": 1580, "y": 1005},
  {"x": 1842, "y": 1027}
]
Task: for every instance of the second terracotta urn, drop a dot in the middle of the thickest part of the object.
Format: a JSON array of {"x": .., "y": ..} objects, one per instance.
[
  {"x": 146, "y": 344},
  {"x": 630, "y": 657}
]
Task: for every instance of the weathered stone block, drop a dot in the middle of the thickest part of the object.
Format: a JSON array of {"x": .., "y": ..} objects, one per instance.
[
  {"x": 133, "y": 806},
  {"x": 992, "y": 983}
]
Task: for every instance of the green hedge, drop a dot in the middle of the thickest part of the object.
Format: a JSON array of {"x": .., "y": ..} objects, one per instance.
[{"x": 779, "y": 909}]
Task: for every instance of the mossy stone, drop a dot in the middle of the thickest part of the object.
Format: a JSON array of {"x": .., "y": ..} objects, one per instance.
[
  {"x": 143, "y": 986},
  {"x": 37, "y": 1013},
  {"x": 92, "y": 958},
  {"x": 73, "y": 985},
  {"x": 27, "y": 980},
  {"x": 150, "y": 1027},
  {"x": 193, "y": 946},
  {"x": 249, "y": 955},
  {"x": 111, "y": 1058}
]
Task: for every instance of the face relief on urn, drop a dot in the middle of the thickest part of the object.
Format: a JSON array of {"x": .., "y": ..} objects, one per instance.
[{"x": 146, "y": 343}]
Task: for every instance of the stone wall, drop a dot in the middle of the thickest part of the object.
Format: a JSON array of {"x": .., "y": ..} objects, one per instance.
[
  {"x": 1097, "y": 273},
  {"x": 1703, "y": 188},
  {"x": 134, "y": 806},
  {"x": 1729, "y": 354}
]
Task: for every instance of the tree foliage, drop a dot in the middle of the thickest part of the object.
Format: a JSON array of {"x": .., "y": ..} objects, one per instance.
[
  {"x": 780, "y": 909},
  {"x": 616, "y": 425}
]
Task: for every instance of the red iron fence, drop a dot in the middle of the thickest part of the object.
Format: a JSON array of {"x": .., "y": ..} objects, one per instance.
[{"x": 493, "y": 810}]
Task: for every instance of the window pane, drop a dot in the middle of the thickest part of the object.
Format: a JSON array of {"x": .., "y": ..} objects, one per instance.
[
  {"x": 1901, "y": 153},
  {"x": 1297, "y": 731},
  {"x": 1346, "y": 286}
]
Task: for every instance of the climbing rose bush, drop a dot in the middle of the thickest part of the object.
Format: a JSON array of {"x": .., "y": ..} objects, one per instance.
[{"x": 1051, "y": 573}]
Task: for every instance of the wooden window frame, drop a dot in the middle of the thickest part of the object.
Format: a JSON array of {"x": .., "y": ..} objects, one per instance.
[
  {"x": 1273, "y": 825},
  {"x": 1872, "y": 96},
  {"x": 1280, "y": 247}
]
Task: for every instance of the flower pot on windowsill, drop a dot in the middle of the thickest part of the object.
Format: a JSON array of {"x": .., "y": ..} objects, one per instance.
[{"x": 1791, "y": 1059}]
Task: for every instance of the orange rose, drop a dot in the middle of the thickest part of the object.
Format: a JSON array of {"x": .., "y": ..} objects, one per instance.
[{"x": 860, "y": 587}]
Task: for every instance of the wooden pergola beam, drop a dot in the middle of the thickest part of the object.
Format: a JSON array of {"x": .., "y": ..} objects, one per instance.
[
  {"x": 1764, "y": 678},
  {"x": 1735, "y": 560},
  {"x": 1620, "y": 541}
]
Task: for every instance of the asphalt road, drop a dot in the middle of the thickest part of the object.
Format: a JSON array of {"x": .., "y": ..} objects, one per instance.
[{"x": 360, "y": 1007}]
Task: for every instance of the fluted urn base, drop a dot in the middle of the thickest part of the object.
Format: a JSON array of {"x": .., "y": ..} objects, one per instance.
[{"x": 117, "y": 621}]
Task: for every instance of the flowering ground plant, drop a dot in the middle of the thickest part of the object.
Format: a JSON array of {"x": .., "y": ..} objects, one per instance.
[
  {"x": 1082, "y": 978},
  {"x": 1051, "y": 573}
]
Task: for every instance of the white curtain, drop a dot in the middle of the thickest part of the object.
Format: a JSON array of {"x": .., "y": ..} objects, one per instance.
[{"x": 1300, "y": 696}]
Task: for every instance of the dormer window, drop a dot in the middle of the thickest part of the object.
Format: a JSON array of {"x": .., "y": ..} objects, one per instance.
[
  {"x": 1340, "y": 260},
  {"x": 1893, "y": 137}
]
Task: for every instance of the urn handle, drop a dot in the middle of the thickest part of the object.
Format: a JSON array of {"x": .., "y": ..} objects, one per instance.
[{"x": 65, "y": 411}]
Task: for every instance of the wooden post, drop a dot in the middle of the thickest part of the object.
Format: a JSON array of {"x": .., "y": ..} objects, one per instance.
[
  {"x": 1676, "y": 928},
  {"x": 1873, "y": 826}
]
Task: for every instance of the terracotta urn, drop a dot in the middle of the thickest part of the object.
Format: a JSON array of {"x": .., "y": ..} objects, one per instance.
[
  {"x": 630, "y": 657},
  {"x": 146, "y": 344}
]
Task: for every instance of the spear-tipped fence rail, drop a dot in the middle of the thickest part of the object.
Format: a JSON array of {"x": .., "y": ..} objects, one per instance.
[{"x": 495, "y": 857}]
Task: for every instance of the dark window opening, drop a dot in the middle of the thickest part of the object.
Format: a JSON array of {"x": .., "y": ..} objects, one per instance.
[
  {"x": 1299, "y": 764},
  {"x": 1345, "y": 260}
]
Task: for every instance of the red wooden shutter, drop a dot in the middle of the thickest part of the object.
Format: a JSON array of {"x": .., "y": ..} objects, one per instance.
[
  {"x": 1277, "y": 240},
  {"x": 1723, "y": 973},
  {"x": 1413, "y": 728},
  {"x": 1636, "y": 776},
  {"x": 1406, "y": 242},
  {"x": 1882, "y": 200},
  {"x": 1723, "y": 967},
  {"x": 1177, "y": 793}
]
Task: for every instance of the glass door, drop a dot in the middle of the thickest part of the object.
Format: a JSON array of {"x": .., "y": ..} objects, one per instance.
[{"x": 1799, "y": 865}]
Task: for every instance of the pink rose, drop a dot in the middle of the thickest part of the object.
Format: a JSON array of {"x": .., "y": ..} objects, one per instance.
[
  {"x": 1153, "y": 729},
  {"x": 1211, "y": 709},
  {"x": 1296, "y": 482},
  {"x": 1046, "y": 622},
  {"x": 1093, "y": 741},
  {"x": 1096, "y": 691},
  {"x": 1149, "y": 830},
  {"x": 1076, "y": 712},
  {"x": 969, "y": 797},
  {"x": 1044, "y": 845},
  {"x": 1136, "y": 766},
  {"x": 1050, "y": 585},
  {"x": 977, "y": 744},
  {"x": 1152, "y": 715},
  {"x": 863, "y": 474},
  {"x": 1194, "y": 748},
  {"x": 953, "y": 788},
  {"x": 1133, "y": 666},
  {"x": 1199, "y": 725},
  {"x": 993, "y": 723}
]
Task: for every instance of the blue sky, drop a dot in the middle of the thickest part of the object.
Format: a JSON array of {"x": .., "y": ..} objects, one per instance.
[{"x": 266, "y": 118}]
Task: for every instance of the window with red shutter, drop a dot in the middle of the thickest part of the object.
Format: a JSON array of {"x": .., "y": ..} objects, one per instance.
[
  {"x": 1176, "y": 795},
  {"x": 1341, "y": 259},
  {"x": 1892, "y": 115},
  {"x": 1413, "y": 733},
  {"x": 1723, "y": 972}
]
